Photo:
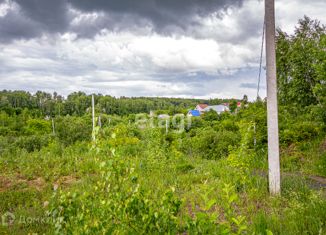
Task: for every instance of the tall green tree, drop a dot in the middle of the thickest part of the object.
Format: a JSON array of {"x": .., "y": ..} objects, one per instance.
[{"x": 301, "y": 63}]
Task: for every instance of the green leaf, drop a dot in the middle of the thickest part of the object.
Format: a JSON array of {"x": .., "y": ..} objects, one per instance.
[{"x": 268, "y": 232}]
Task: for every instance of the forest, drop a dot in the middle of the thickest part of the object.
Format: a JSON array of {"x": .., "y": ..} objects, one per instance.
[{"x": 197, "y": 175}]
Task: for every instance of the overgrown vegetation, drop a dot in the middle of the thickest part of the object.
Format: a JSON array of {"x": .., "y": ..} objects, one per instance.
[{"x": 209, "y": 179}]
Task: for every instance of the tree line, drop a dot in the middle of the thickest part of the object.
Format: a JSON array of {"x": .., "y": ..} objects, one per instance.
[{"x": 78, "y": 103}]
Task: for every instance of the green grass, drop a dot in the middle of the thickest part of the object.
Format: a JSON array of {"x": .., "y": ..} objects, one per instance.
[{"x": 215, "y": 195}]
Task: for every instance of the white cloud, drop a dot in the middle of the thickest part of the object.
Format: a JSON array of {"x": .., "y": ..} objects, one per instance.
[
  {"x": 4, "y": 8},
  {"x": 288, "y": 12},
  {"x": 212, "y": 60}
]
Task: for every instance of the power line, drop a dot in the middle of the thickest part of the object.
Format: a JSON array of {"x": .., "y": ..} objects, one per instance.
[{"x": 261, "y": 58}]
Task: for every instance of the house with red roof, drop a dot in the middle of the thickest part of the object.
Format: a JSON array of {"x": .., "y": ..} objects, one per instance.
[{"x": 201, "y": 107}]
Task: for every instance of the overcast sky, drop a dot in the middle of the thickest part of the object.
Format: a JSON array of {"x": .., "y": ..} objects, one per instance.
[{"x": 172, "y": 48}]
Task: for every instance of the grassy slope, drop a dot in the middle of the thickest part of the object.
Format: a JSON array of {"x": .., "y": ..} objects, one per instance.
[{"x": 27, "y": 181}]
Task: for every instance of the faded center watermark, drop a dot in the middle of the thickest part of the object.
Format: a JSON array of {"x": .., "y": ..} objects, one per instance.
[{"x": 176, "y": 123}]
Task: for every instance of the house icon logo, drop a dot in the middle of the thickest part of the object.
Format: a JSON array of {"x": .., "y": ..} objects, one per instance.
[{"x": 7, "y": 219}]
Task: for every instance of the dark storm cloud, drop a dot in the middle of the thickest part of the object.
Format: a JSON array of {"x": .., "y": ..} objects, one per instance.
[
  {"x": 32, "y": 18},
  {"x": 161, "y": 13},
  {"x": 52, "y": 15},
  {"x": 16, "y": 26}
]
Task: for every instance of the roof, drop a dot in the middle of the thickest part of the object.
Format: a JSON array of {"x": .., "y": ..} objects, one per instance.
[
  {"x": 163, "y": 116},
  {"x": 194, "y": 113},
  {"x": 217, "y": 108},
  {"x": 202, "y": 106}
]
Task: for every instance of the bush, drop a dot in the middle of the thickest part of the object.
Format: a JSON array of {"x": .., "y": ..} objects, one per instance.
[
  {"x": 211, "y": 115},
  {"x": 38, "y": 126},
  {"x": 299, "y": 132},
  {"x": 116, "y": 204},
  {"x": 4, "y": 131},
  {"x": 211, "y": 144},
  {"x": 34, "y": 142},
  {"x": 72, "y": 129}
]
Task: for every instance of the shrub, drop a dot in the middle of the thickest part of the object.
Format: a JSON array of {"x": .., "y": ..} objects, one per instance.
[
  {"x": 72, "y": 129},
  {"x": 299, "y": 132},
  {"x": 38, "y": 126},
  {"x": 4, "y": 131},
  {"x": 116, "y": 204},
  {"x": 34, "y": 142},
  {"x": 211, "y": 144}
]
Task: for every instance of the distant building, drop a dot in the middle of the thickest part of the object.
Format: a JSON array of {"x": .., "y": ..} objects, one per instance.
[
  {"x": 201, "y": 107},
  {"x": 217, "y": 108},
  {"x": 163, "y": 116},
  {"x": 194, "y": 113}
]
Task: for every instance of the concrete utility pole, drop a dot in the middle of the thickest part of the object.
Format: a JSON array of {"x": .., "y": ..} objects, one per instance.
[{"x": 272, "y": 110}]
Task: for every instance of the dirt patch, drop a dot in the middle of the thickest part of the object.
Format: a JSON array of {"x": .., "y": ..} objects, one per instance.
[
  {"x": 5, "y": 183},
  {"x": 38, "y": 183},
  {"x": 319, "y": 179},
  {"x": 66, "y": 180},
  {"x": 315, "y": 182},
  {"x": 323, "y": 146},
  {"x": 190, "y": 211},
  {"x": 289, "y": 150}
]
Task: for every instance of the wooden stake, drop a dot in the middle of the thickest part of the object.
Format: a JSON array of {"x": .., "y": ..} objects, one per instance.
[
  {"x": 99, "y": 121},
  {"x": 255, "y": 140},
  {"x": 53, "y": 130},
  {"x": 93, "y": 117}
]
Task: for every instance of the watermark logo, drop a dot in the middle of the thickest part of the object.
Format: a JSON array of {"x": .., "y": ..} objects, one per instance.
[
  {"x": 176, "y": 123},
  {"x": 7, "y": 219}
]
